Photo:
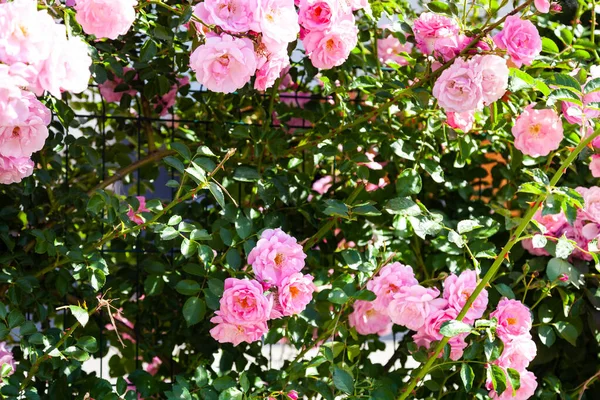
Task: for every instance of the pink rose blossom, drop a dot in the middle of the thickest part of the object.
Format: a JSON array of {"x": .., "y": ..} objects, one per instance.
[
  {"x": 449, "y": 47},
  {"x": 23, "y": 136},
  {"x": 591, "y": 204},
  {"x": 542, "y": 6},
  {"x": 389, "y": 49},
  {"x": 537, "y": 132},
  {"x": 514, "y": 319},
  {"x": 430, "y": 27},
  {"x": 458, "y": 289},
  {"x": 578, "y": 233},
  {"x": 269, "y": 68},
  {"x": 107, "y": 89},
  {"x": 517, "y": 353},
  {"x": 293, "y": 395},
  {"x": 331, "y": 48},
  {"x": 563, "y": 278},
  {"x": 554, "y": 225},
  {"x": 459, "y": 88},
  {"x": 244, "y": 302},
  {"x": 167, "y": 101},
  {"x": 234, "y": 16},
  {"x": 463, "y": 121},
  {"x": 412, "y": 304},
  {"x": 323, "y": 184},
  {"x": 277, "y": 20},
  {"x": 295, "y": 293},
  {"x": 13, "y": 169},
  {"x": 430, "y": 332},
  {"x": 153, "y": 367},
  {"x": 520, "y": 39},
  {"x": 276, "y": 256},
  {"x": 223, "y": 63},
  {"x": 526, "y": 391},
  {"x": 6, "y": 357},
  {"x": 577, "y": 114},
  {"x": 494, "y": 76},
  {"x": 318, "y": 14},
  {"x": 135, "y": 216},
  {"x": 366, "y": 320},
  {"x": 105, "y": 18},
  {"x": 225, "y": 332},
  {"x": 388, "y": 283}
]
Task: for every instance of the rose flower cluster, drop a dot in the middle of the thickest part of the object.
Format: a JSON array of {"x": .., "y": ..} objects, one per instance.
[
  {"x": 35, "y": 56},
  {"x": 403, "y": 301},
  {"x": 251, "y": 38},
  {"x": 280, "y": 289}
]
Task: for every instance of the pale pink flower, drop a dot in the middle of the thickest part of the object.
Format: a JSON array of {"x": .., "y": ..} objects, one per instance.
[
  {"x": 295, "y": 293},
  {"x": 224, "y": 63},
  {"x": 234, "y": 16},
  {"x": 28, "y": 132},
  {"x": 366, "y": 320},
  {"x": 13, "y": 169},
  {"x": 494, "y": 76},
  {"x": 276, "y": 256},
  {"x": 430, "y": 27},
  {"x": 514, "y": 319},
  {"x": 577, "y": 114},
  {"x": 542, "y": 6},
  {"x": 578, "y": 234},
  {"x": 389, "y": 49},
  {"x": 463, "y": 121},
  {"x": 537, "y": 132},
  {"x": 449, "y": 47},
  {"x": 330, "y": 48},
  {"x": 105, "y": 18},
  {"x": 135, "y": 215},
  {"x": 526, "y": 391},
  {"x": 517, "y": 353},
  {"x": 388, "y": 282},
  {"x": 244, "y": 302},
  {"x": 412, "y": 304},
  {"x": 371, "y": 154},
  {"x": 6, "y": 357},
  {"x": 153, "y": 367},
  {"x": 322, "y": 185},
  {"x": 225, "y": 332},
  {"x": 164, "y": 103},
  {"x": 381, "y": 183},
  {"x": 430, "y": 332},
  {"x": 520, "y": 39},
  {"x": 269, "y": 68},
  {"x": 459, "y": 88},
  {"x": 554, "y": 225},
  {"x": 277, "y": 20},
  {"x": 107, "y": 89},
  {"x": 359, "y": 4},
  {"x": 458, "y": 289},
  {"x": 319, "y": 14},
  {"x": 591, "y": 206}
]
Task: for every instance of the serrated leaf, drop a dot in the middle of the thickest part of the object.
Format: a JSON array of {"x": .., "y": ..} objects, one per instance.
[
  {"x": 343, "y": 380},
  {"x": 453, "y": 328}
]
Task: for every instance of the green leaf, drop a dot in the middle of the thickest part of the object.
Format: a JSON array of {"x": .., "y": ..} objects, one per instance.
[
  {"x": 467, "y": 376},
  {"x": 408, "y": 183},
  {"x": 193, "y": 310},
  {"x": 246, "y": 174},
  {"x": 233, "y": 259},
  {"x": 467, "y": 225},
  {"x": 80, "y": 314},
  {"x": 549, "y": 46},
  {"x": 337, "y": 296},
  {"x": 153, "y": 285},
  {"x": 217, "y": 193},
  {"x": 197, "y": 173},
  {"x": 88, "y": 343},
  {"x": 243, "y": 226},
  {"x": 231, "y": 394},
  {"x": 439, "y": 7},
  {"x": 188, "y": 248},
  {"x": 343, "y": 380},
  {"x": 453, "y": 328},
  {"x": 200, "y": 234},
  {"x": 557, "y": 267},
  {"x": 175, "y": 163},
  {"x": 493, "y": 350},
  {"x": 539, "y": 241},
  {"x": 564, "y": 247},
  {"x": 200, "y": 376},
  {"x": 121, "y": 386},
  {"x": 174, "y": 220},
  {"x": 182, "y": 149},
  {"x": 367, "y": 210},
  {"x": 498, "y": 378},
  {"x": 187, "y": 287},
  {"x": 546, "y": 335},
  {"x": 403, "y": 206},
  {"x": 567, "y": 331},
  {"x": 592, "y": 86},
  {"x": 515, "y": 379},
  {"x": 567, "y": 82},
  {"x": 545, "y": 313},
  {"x": 169, "y": 233},
  {"x": 505, "y": 290},
  {"x": 335, "y": 208}
]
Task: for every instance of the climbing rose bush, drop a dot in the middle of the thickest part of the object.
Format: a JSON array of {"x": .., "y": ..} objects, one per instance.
[{"x": 319, "y": 199}]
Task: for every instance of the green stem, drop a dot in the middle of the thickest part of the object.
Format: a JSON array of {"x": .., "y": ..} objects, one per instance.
[{"x": 497, "y": 263}]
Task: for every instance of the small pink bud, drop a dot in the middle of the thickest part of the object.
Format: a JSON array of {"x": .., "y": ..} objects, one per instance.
[
  {"x": 555, "y": 8},
  {"x": 563, "y": 278},
  {"x": 292, "y": 394}
]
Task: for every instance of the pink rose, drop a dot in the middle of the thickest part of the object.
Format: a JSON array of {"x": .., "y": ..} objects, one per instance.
[
  {"x": 135, "y": 216},
  {"x": 449, "y": 47},
  {"x": 269, "y": 68},
  {"x": 576, "y": 114},
  {"x": 277, "y": 20},
  {"x": 463, "y": 121},
  {"x": 224, "y": 63},
  {"x": 366, "y": 320},
  {"x": 234, "y": 16},
  {"x": 388, "y": 282},
  {"x": 23, "y": 136},
  {"x": 244, "y": 302},
  {"x": 105, "y": 18},
  {"x": 494, "y": 76},
  {"x": 323, "y": 184},
  {"x": 542, "y": 6},
  {"x": 430, "y": 27},
  {"x": 295, "y": 293},
  {"x": 330, "y": 48},
  {"x": 591, "y": 204},
  {"x": 595, "y": 165},
  {"x": 527, "y": 389},
  {"x": 167, "y": 101},
  {"x": 225, "y": 332},
  {"x": 293, "y": 395},
  {"x": 107, "y": 89},
  {"x": 13, "y": 169},
  {"x": 458, "y": 289},
  {"x": 412, "y": 304},
  {"x": 318, "y": 14},
  {"x": 276, "y": 256},
  {"x": 514, "y": 319},
  {"x": 578, "y": 234},
  {"x": 430, "y": 332},
  {"x": 554, "y": 225},
  {"x": 517, "y": 353},
  {"x": 458, "y": 89},
  {"x": 520, "y": 39},
  {"x": 6, "y": 357},
  {"x": 389, "y": 49},
  {"x": 537, "y": 132},
  {"x": 153, "y": 367}
]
